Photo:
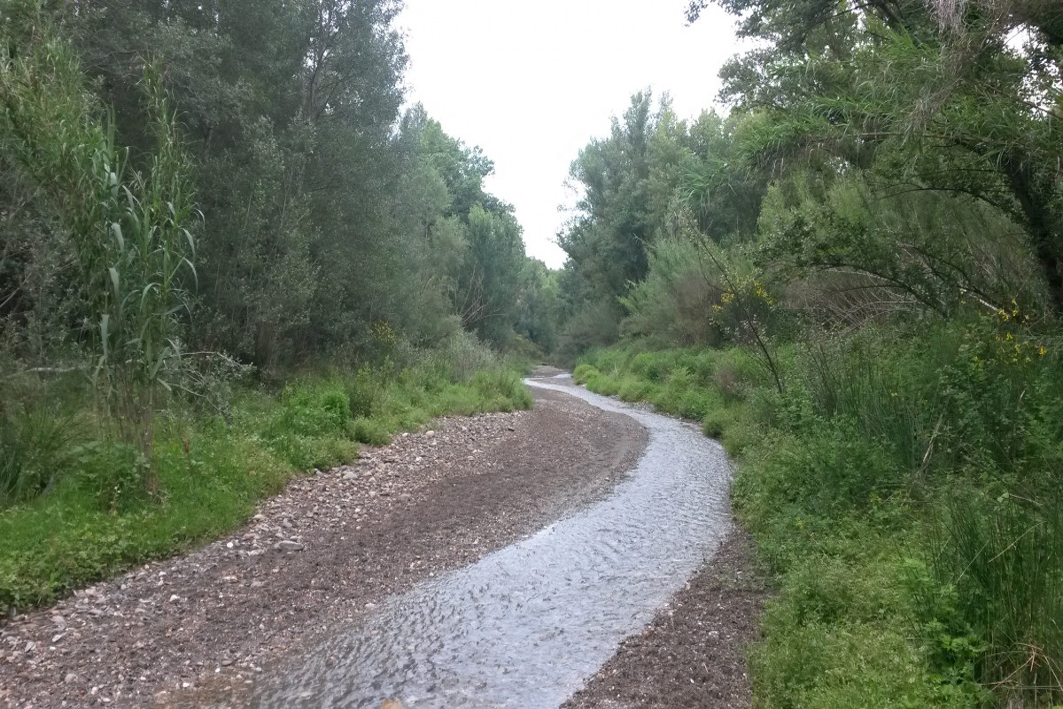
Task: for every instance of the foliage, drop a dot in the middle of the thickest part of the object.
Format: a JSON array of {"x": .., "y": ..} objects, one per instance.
[
  {"x": 903, "y": 489},
  {"x": 95, "y": 520}
]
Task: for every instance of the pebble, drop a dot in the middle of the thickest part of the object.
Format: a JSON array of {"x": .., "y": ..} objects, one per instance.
[{"x": 393, "y": 469}]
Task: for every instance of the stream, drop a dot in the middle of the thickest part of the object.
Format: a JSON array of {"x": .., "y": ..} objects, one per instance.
[{"x": 527, "y": 625}]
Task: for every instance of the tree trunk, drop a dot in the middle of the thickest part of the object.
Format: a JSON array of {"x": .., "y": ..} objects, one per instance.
[{"x": 1043, "y": 223}]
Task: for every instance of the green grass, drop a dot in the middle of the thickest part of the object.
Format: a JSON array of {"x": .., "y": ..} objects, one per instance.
[
  {"x": 92, "y": 518},
  {"x": 905, "y": 494}
]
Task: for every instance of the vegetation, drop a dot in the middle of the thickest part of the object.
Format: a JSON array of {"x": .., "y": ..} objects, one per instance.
[
  {"x": 853, "y": 281},
  {"x": 76, "y": 509},
  {"x": 226, "y": 258}
]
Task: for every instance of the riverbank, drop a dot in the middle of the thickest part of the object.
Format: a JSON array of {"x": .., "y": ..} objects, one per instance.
[
  {"x": 201, "y": 629},
  {"x": 900, "y": 491},
  {"x": 693, "y": 653}
]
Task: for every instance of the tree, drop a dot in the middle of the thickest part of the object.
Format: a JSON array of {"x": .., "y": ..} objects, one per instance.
[{"x": 883, "y": 87}]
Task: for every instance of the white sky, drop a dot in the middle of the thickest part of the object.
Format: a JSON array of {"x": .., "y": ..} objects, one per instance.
[{"x": 531, "y": 82}]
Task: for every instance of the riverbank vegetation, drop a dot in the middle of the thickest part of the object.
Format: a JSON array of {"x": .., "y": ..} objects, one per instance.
[
  {"x": 227, "y": 256},
  {"x": 853, "y": 280}
]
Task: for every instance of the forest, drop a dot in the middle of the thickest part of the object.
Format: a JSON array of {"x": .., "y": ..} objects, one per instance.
[
  {"x": 229, "y": 252},
  {"x": 853, "y": 280}
]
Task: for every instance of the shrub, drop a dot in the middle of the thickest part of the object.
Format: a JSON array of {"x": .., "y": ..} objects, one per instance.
[
  {"x": 112, "y": 474},
  {"x": 311, "y": 409},
  {"x": 370, "y": 432},
  {"x": 35, "y": 451},
  {"x": 365, "y": 393},
  {"x": 583, "y": 373}
]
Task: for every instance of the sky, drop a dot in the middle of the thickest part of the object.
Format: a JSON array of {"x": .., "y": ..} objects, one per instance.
[{"x": 533, "y": 82}]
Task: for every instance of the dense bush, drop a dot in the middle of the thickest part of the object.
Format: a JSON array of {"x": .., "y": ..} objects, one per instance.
[{"x": 904, "y": 490}]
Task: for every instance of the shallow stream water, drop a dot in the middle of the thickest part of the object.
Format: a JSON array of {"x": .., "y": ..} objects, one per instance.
[{"x": 527, "y": 625}]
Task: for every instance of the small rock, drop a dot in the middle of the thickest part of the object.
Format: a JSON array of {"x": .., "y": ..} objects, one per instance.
[
  {"x": 430, "y": 434},
  {"x": 30, "y": 647},
  {"x": 70, "y": 677},
  {"x": 174, "y": 598},
  {"x": 288, "y": 545}
]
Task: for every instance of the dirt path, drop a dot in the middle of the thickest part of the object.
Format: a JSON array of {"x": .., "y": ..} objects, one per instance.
[{"x": 199, "y": 629}]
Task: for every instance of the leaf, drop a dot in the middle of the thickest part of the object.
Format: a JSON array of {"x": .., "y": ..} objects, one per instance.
[
  {"x": 116, "y": 229},
  {"x": 114, "y": 281}
]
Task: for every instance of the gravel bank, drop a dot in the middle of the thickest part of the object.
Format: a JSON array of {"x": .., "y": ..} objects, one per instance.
[
  {"x": 693, "y": 653},
  {"x": 199, "y": 629}
]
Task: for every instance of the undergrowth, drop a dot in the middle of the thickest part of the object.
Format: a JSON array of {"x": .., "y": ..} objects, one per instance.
[
  {"x": 72, "y": 509},
  {"x": 905, "y": 492}
]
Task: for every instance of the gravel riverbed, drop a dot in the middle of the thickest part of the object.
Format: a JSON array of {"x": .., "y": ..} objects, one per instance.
[{"x": 199, "y": 629}]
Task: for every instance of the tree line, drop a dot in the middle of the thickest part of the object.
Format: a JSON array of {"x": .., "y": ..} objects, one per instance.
[
  {"x": 307, "y": 206},
  {"x": 853, "y": 279}
]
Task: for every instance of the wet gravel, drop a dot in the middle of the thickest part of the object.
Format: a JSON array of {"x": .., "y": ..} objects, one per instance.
[
  {"x": 693, "y": 653},
  {"x": 200, "y": 629}
]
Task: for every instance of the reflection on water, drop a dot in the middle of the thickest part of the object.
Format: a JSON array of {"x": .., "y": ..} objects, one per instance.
[{"x": 527, "y": 624}]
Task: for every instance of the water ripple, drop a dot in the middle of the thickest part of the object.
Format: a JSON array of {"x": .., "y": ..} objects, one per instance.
[{"x": 526, "y": 625}]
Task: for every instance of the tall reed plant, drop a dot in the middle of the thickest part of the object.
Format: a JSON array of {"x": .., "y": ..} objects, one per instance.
[{"x": 128, "y": 231}]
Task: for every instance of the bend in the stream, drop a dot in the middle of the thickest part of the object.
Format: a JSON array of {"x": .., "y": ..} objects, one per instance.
[{"x": 526, "y": 625}]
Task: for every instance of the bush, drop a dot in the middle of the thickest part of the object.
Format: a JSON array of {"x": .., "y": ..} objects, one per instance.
[
  {"x": 999, "y": 564},
  {"x": 313, "y": 409},
  {"x": 584, "y": 372},
  {"x": 365, "y": 393},
  {"x": 35, "y": 451},
  {"x": 112, "y": 474},
  {"x": 370, "y": 432}
]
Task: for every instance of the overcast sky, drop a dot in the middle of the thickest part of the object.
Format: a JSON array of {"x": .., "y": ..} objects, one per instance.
[{"x": 532, "y": 82}]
